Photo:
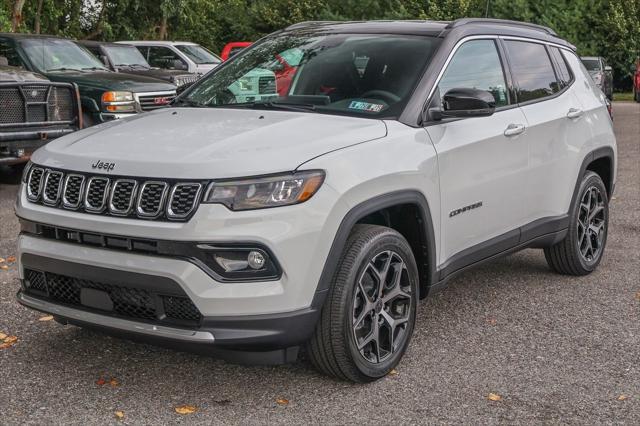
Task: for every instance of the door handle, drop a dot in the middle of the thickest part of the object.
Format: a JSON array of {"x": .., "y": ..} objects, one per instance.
[
  {"x": 574, "y": 113},
  {"x": 514, "y": 129}
]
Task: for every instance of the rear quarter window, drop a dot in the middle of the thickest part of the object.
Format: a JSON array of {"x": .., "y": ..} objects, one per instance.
[
  {"x": 532, "y": 70},
  {"x": 562, "y": 69}
]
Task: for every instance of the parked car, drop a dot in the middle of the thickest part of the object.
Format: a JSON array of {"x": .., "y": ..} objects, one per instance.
[
  {"x": 636, "y": 80},
  {"x": 601, "y": 73},
  {"x": 233, "y": 48},
  {"x": 33, "y": 111},
  {"x": 128, "y": 59},
  {"x": 320, "y": 217},
  {"x": 177, "y": 55},
  {"x": 104, "y": 94}
]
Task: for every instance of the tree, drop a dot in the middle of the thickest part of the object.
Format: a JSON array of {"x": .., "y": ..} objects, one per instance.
[{"x": 16, "y": 17}]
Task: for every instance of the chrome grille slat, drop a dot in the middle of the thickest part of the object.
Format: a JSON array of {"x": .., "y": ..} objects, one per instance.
[
  {"x": 34, "y": 186},
  {"x": 96, "y": 194},
  {"x": 149, "y": 199},
  {"x": 52, "y": 187},
  {"x": 122, "y": 196},
  {"x": 183, "y": 199},
  {"x": 73, "y": 191}
]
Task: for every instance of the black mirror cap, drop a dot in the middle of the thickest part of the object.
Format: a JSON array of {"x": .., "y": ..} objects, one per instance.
[{"x": 464, "y": 102}]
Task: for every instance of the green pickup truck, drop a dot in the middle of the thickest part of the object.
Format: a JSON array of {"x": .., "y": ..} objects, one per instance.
[{"x": 104, "y": 94}]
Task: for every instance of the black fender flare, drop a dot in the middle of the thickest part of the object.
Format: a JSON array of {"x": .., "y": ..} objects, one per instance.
[
  {"x": 602, "y": 152},
  {"x": 360, "y": 211}
]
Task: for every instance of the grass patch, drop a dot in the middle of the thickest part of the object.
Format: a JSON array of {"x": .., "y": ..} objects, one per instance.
[{"x": 628, "y": 96}]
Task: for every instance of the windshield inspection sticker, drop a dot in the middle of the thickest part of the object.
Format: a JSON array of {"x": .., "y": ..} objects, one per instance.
[{"x": 365, "y": 106}]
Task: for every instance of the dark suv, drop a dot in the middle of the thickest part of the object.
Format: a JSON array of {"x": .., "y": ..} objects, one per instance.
[
  {"x": 33, "y": 111},
  {"x": 104, "y": 94},
  {"x": 127, "y": 59}
]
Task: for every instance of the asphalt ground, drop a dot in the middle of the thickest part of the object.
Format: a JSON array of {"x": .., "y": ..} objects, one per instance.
[{"x": 554, "y": 349}]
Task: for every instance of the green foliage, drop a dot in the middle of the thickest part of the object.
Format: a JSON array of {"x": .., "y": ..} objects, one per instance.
[{"x": 609, "y": 28}]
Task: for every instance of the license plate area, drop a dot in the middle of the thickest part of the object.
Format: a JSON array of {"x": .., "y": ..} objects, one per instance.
[{"x": 96, "y": 299}]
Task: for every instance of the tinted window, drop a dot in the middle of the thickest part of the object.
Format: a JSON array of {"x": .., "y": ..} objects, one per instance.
[
  {"x": 476, "y": 65},
  {"x": 564, "y": 75},
  {"x": 163, "y": 57},
  {"x": 8, "y": 51},
  {"x": 592, "y": 64},
  {"x": 533, "y": 73}
]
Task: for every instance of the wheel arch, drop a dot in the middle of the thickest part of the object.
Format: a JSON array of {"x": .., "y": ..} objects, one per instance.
[
  {"x": 385, "y": 210},
  {"x": 602, "y": 162}
]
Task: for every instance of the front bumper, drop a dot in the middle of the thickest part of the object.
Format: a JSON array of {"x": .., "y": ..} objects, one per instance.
[{"x": 17, "y": 146}]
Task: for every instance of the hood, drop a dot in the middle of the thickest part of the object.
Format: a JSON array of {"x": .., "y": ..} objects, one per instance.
[
  {"x": 108, "y": 80},
  {"x": 19, "y": 75},
  {"x": 207, "y": 143}
]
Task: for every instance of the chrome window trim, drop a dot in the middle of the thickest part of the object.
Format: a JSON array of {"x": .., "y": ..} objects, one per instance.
[
  {"x": 46, "y": 200},
  {"x": 112, "y": 209},
  {"x": 65, "y": 203},
  {"x": 141, "y": 213},
  {"x": 87, "y": 206},
  {"x": 170, "y": 213},
  {"x": 30, "y": 195}
]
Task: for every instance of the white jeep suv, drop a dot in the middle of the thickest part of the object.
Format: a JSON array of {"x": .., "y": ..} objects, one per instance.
[{"x": 392, "y": 156}]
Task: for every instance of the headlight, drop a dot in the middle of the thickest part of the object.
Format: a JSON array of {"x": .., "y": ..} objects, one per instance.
[
  {"x": 118, "y": 102},
  {"x": 264, "y": 192}
]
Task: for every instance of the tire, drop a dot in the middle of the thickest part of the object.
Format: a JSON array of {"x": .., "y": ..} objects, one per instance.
[
  {"x": 581, "y": 250},
  {"x": 354, "y": 294}
]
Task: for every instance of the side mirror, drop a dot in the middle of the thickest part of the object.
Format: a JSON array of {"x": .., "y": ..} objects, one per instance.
[
  {"x": 608, "y": 68},
  {"x": 177, "y": 64},
  {"x": 465, "y": 103}
]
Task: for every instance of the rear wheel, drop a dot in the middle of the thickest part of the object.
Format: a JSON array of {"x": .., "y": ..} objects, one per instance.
[
  {"x": 581, "y": 250},
  {"x": 368, "y": 319}
]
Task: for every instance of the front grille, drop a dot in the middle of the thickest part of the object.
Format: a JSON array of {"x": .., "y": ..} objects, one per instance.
[
  {"x": 36, "y": 104},
  {"x": 149, "y": 102},
  {"x": 118, "y": 196},
  {"x": 52, "y": 187},
  {"x": 266, "y": 85},
  {"x": 128, "y": 301},
  {"x": 96, "y": 196},
  {"x": 151, "y": 199}
]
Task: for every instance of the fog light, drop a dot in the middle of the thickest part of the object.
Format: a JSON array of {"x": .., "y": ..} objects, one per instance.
[{"x": 256, "y": 260}]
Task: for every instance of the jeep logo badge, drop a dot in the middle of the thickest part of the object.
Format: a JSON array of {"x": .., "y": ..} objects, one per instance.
[{"x": 102, "y": 165}]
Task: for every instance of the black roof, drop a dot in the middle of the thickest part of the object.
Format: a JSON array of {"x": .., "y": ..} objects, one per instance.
[
  {"x": 95, "y": 43},
  {"x": 458, "y": 28}
]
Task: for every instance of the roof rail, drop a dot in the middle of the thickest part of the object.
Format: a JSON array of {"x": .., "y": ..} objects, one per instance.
[{"x": 464, "y": 21}]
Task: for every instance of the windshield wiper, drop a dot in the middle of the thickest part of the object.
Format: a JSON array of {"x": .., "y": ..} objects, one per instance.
[
  {"x": 189, "y": 103},
  {"x": 289, "y": 106},
  {"x": 132, "y": 65},
  {"x": 95, "y": 69},
  {"x": 63, "y": 69}
]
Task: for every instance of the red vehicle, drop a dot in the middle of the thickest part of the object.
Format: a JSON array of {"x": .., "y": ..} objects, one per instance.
[
  {"x": 636, "y": 81},
  {"x": 232, "y": 48}
]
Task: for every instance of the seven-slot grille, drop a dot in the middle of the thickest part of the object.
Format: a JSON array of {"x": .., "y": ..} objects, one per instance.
[
  {"x": 148, "y": 199},
  {"x": 149, "y": 102},
  {"x": 36, "y": 104},
  {"x": 127, "y": 300}
]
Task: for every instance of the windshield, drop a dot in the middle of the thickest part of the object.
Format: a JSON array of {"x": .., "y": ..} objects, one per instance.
[
  {"x": 125, "y": 55},
  {"x": 59, "y": 55},
  {"x": 591, "y": 64},
  {"x": 198, "y": 54},
  {"x": 351, "y": 74}
]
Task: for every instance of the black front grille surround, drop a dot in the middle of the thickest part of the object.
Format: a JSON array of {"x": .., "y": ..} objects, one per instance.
[
  {"x": 37, "y": 103},
  {"x": 149, "y": 199},
  {"x": 126, "y": 299}
]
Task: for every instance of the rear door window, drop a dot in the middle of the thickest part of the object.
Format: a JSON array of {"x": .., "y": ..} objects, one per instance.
[
  {"x": 476, "y": 65},
  {"x": 532, "y": 70},
  {"x": 564, "y": 75}
]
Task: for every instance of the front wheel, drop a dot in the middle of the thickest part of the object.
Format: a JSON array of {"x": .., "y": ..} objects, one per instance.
[
  {"x": 581, "y": 250},
  {"x": 369, "y": 315}
]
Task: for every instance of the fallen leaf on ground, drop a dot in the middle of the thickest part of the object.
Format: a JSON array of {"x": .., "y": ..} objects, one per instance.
[
  {"x": 2, "y": 260},
  {"x": 101, "y": 381},
  {"x": 282, "y": 401},
  {"x": 494, "y": 397},
  {"x": 4, "y": 267},
  {"x": 186, "y": 409},
  {"x": 622, "y": 397},
  {"x": 638, "y": 296},
  {"x": 46, "y": 318},
  {"x": 492, "y": 321},
  {"x": 10, "y": 339},
  {"x": 2, "y": 335},
  {"x": 393, "y": 372},
  {"x": 119, "y": 415},
  {"x": 11, "y": 259},
  {"x": 113, "y": 382}
]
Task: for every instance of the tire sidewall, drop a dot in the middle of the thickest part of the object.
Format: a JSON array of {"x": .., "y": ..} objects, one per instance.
[{"x": 381, "y": 243}]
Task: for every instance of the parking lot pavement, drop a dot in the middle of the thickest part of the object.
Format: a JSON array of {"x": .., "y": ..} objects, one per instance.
[{"x": 553, "y": 348}]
